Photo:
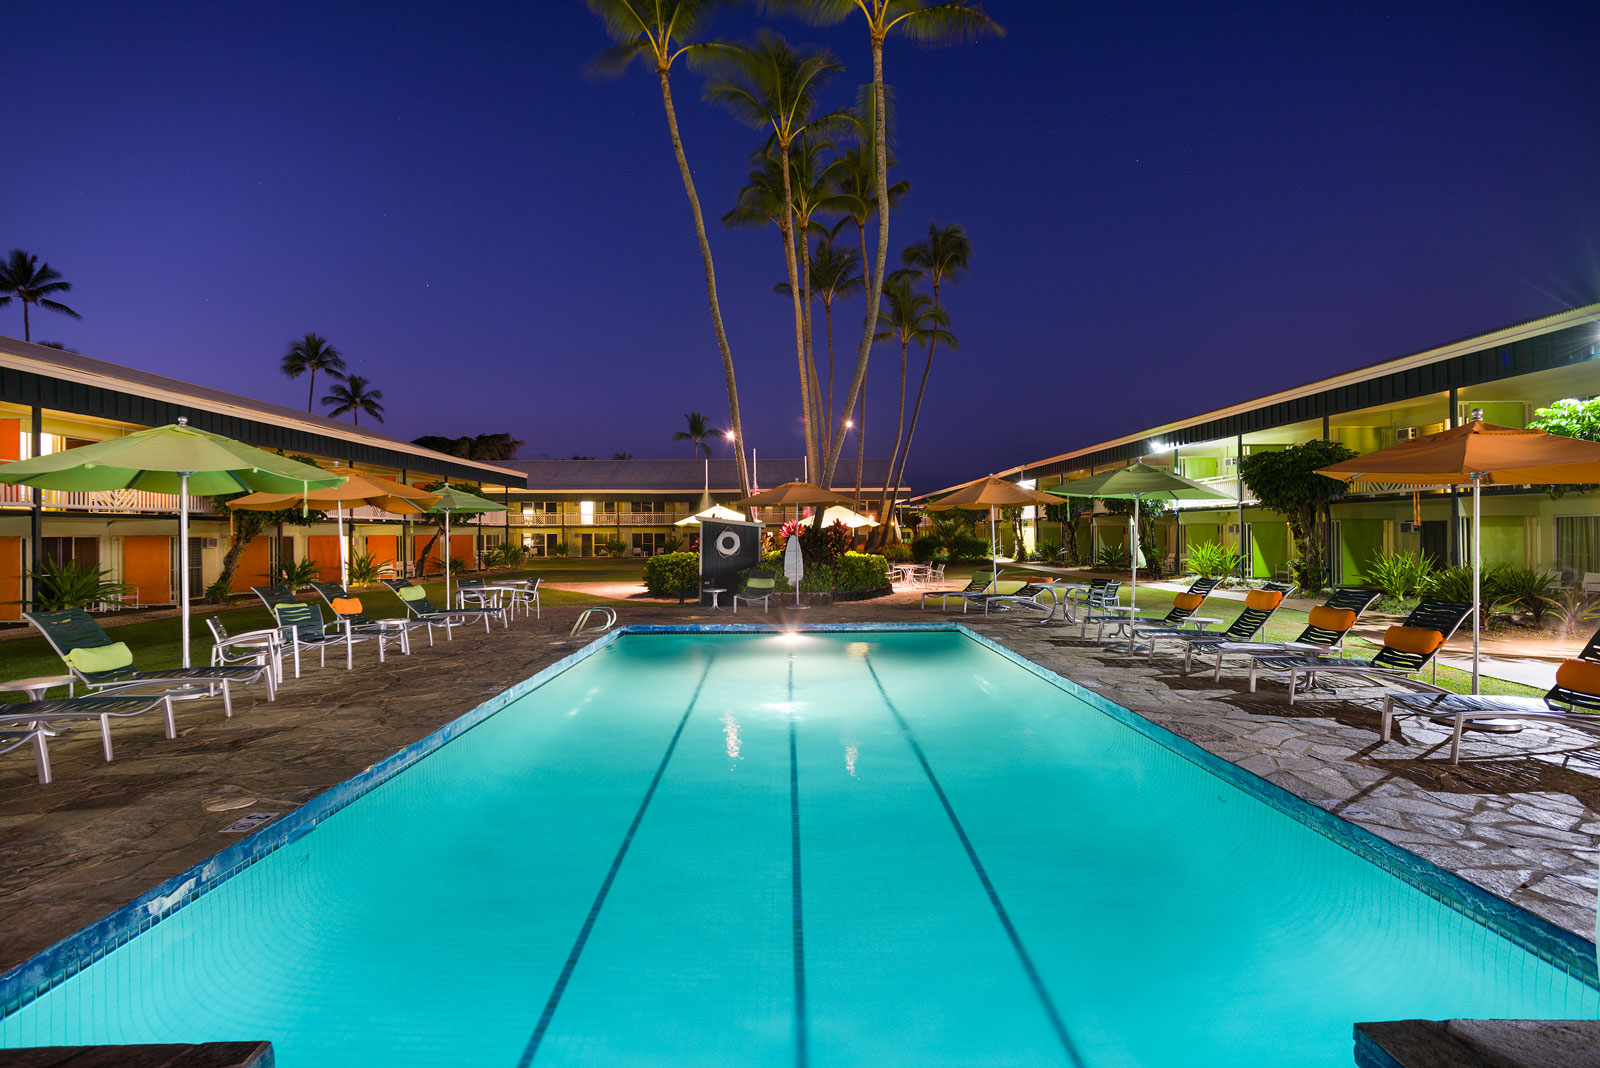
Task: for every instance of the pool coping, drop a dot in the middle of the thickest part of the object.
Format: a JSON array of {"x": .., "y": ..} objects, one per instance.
[{"x": 54, "y": 965}]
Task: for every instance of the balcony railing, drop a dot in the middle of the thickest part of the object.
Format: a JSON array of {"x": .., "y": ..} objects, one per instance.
[{"x": 122, "y": 500}]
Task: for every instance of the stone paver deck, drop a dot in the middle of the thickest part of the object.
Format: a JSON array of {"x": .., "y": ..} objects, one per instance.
[{"x": 1518, "y": 816}]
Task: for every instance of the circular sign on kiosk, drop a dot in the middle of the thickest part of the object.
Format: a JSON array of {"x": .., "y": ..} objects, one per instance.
[{"x": 728, "y": 542}]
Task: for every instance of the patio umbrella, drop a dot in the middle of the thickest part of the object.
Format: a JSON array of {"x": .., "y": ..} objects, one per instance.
[
  {"x": 795, "y": 493},
  {"x": 840, "y": 514},
  {"x": 1484, "y": 455},
  {"x": 176, "y": 459},
  {"x": 356, "y": 490},
  {"x": 992, "y": 493},
  {"x": 1136, "y": 482},
  {"x": 453, "y": 501},
  {"x": 716, "y": 511}
]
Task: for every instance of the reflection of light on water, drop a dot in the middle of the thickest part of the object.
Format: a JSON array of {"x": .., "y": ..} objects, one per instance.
[
  {"x": 790, "y": 637},
  {"x": 850, "y": 760},
  {"x": 730, "y": 734},
  {"x": 858, "y": 650}
]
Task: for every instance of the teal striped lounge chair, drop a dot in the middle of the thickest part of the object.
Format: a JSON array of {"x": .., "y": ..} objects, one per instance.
[
  {"x": 36, "y": 721},
  {"x": 415, "y": 598},
  {"x": 1330, "y": 622}
]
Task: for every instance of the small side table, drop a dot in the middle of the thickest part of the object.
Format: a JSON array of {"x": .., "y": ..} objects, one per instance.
[
  {"x": 35, "y": 687},
  {"x": 1204, "y": 623},
  {"x": 716, "y": 593}
]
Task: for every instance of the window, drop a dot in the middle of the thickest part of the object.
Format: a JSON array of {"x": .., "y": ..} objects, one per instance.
[
  {"x": 1577, "y": 546},
  {"x": 650, "y": 542},
  {"x": 586, "y": 513}
]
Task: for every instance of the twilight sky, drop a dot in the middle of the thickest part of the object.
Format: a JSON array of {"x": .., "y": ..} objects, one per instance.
[{"x": 1172, "y": 207}]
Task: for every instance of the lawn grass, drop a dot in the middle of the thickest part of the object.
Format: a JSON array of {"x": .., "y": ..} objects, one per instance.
[{"x": 156, "y": 642}]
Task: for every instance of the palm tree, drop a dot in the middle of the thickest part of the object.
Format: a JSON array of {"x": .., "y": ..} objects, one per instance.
[
  {"x": 22, "y": 276},
  {"x": 925, "y": 23},
  {"x": 354, "y": 397},
  {"x": 652, "y": 30},
  {"x": 942, "y": 257},
  {"x": 911, "y": 319},
  {"x": 700, "y": 429},
  {"x": 769, "y": 85},
  {"x": 311, "y": 354},
  {"x": 856, "y": 176},
  {"x": 833, "y": 275}
]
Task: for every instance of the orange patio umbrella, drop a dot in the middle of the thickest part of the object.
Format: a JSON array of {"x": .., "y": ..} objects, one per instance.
[
  {"x": 1481, "y": 454},
  {"x": 795, "y": 493},
  {"x": 355, "y": 491},
  {"x": 992, "y": 493}
]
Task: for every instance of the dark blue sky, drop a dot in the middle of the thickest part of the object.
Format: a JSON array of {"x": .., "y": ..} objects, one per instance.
[{"x": 1172, "y": 207}]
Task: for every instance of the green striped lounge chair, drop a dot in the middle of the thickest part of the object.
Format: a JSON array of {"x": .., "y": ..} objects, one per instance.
[
  {"x": 1574, "y": 701},
  {"x": 1329, "y": 624},
  {"x": 1027, "y": 598},
  {"x": 758, "y": 587},
  {"x": 1407, "y": 649},
  {"x": 1259, "y": 606},
  {"x": 34, "y": 722},
  {"x": 1184, "y": 605},
  {"x": 107, "y": 666},
  {"x": 350, "y": 614},
  {"x": 975, "y": 586},
  {"x": 1101, "y": 595},
  {"x": 415, "y": 598}
]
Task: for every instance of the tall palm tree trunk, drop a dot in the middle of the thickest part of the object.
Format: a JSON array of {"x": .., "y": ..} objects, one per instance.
[
  {"x": 711, "y": 285},
  {"x": 791, "y": 265},
  {"x": 27, "y": 330},
  {"x": 311, "y": 390},
  {"x": 897, "y": 476},
  {"x": 812, "y": 382},
  {"x": 875, "y": 285},
  {"x": 861, "y": 442},
  {"x": 894, "y": 456},
  {"x": 827, "y": 316}
]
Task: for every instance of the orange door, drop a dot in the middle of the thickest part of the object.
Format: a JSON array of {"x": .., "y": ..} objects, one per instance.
[
  {"x": 251, "y": 568},
  {"x": 383, "y": 548},
  {"x": 324, "y": 552},
  {"x": 147, "y": 567},
  {"x": 10, "y": 577},
  {"x": 461, "y": 547}
]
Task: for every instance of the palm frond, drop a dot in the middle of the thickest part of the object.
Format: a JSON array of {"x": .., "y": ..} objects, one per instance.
[
  {"x": 814, "y": 12},
  {"x": 614, "y": 61},
  {"x": 61, "y": 308},
  {"x": 945, "y": 23}
]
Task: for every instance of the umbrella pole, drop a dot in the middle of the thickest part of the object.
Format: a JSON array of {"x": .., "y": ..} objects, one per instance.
[
  {"x": 1477, "y": 581},
  {"x": 183, "y": 559},
  {"x": 344, "y": 558},
  {"x": 994, "y": 550},
  {"x": 446, "y": 557},
  {"x": 1133, "y": 557}
]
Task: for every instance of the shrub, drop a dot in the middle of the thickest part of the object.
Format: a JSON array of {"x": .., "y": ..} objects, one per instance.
[
  {"x": 672, "y": 574},
  {"x": 927, "y": 549},
  {"x": 1113, "y": 558},
  {"x": 897, "y": 553},
  {"x": 819, "y": 579},
  {"x": 862, "y": 571},
  {"x": 1455, "y": 584},
  {"x": 1052, "y": 552},
  {"x": 72, "y": 585},
  {"x": 671, "y": 543},
  {"x": 964, "y": 548},
  {"x": 1213, "y": 560},
  {"x": 1525, "y": 590},
  {"x": 614, "y": 547},
  {"x": 295, "y": 574},
  {"x": 560, "y": 548},
  {"x": 363, "y": 569},
  {"x": 505, "y": 554},
  {"x": 1574, "y": 608},
  {"x": 1401, "y": 575}
]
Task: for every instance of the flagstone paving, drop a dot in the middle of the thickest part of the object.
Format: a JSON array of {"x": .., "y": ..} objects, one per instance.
[{"x": 1519, "y": 816}]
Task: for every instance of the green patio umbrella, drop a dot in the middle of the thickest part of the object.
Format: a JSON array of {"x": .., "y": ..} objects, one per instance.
[
  {"x": 1137, "y": 482},
  {"x": 453, "y": 501},
  {"x": 176, "y": 459}
]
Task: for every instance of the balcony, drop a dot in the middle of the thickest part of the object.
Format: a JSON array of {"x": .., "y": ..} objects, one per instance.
[{"x": 121, "y": 501}]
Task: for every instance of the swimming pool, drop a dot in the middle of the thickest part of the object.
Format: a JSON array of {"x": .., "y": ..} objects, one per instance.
[{"x": 825, "y": 848}]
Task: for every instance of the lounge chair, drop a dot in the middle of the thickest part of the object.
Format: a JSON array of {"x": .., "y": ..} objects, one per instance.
[
  {"x": 1407, "y": 649},
  {"x": 1184, "y": 605},
  {"x": 1259, "y": 606},
  {"x": 975, "y": 586},
  {"x": 1026, "y": 597},
  {"x": 302, "y": 627},
  {"x": 1326, "y": 630},
  {"x": 1100, "y": 595},
  {"x": 36, "y": 721},
  {"x": 415, "y": 598},
  {"x": 1577, "y": 688},
  {"x": 348, "y": 613},
  {"x": 471, "y": 594},
  {"x": 250, "y": 647},
  {"x": 107, "y": 667},
  {"x": 758, "y": 587}
]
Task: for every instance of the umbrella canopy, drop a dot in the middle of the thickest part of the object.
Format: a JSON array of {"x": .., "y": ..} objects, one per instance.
[
  {"x": 795, "y": 493},
  {"x": 454, "y": 501},
  {"x": 177, "y": 459},
  {"x": 840, "y": 514},
  {"x": 1136, "y": 482},
  {"x": 1484, "y": 455},
  {"x": 716, "y": 511},
  {"x": 992, "y": 493},
  {"x": 356, "y": 490}
]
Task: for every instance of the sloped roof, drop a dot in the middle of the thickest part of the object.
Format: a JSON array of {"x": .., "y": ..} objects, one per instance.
[{"x": 679, "y": 476}]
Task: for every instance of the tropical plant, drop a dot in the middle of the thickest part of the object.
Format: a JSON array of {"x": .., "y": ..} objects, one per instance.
[
  {"x": 1400, "y": 575},
  {"x": 1573, "y": 419},
  {"x": 505, "y": 554},
  {"x": 672, "y": 575},
  {"x": 308, "y": 355},
  {"x": 355, "y": 396},
  {"x": 1527, "y": 591},
  {"x": 1069, "y": 513},
  {"x": 898, "y": 553},
  {"x": 671, "y": 543},
  {"x": 24, "y": 278},
  {"x": 1113, "y": 558},
  {"x": 964, "y": 548},
  {"x": 927, "y": 24},
  {"x": 1574, "y": 607},
  {"x": 1455, "y": 584},
  {"x": 941, "y": 258},
  {"x": 480, "y": 447},
  {"x": 560, "y": 548},
  {"x": 363, "y": 569},
  {"x": 58, "y": 585},
  {"x": 614, "y": 547},
  {"x": 817, "y": 545},
  {"x": 770, "y": 85},
  {"x": 1051, "y": 552},
  {"x": 1286, "y": 481},
  {"x": 700, "y": 429},
  {"x": 1213, "y": 560},
  {"x": 925, "y": 549},
  {"x": 911, "y": 319},
  {"x": 659, "y": 32},
  {"x": 862, "y": 571},
  {"x": 295, "y": 573}
]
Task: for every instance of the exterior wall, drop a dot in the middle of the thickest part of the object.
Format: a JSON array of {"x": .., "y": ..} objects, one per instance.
[{"x": 10, "y": 577}]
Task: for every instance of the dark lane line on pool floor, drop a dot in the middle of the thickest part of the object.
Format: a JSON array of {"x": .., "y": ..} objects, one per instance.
[
  {"x": 1054, "y": 1015},
  {"x": 801, "y": 1055},
  {"x": 554, "y": 1001}
]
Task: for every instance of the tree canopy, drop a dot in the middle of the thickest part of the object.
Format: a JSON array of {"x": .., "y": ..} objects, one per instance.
[{"x": 479, "y": 447}]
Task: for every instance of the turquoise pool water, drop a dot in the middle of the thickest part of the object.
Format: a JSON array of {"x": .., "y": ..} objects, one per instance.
[{"x": 823, "y": 849}]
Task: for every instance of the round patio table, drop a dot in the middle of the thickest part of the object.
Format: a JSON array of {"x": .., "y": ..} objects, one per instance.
[{"x": 35, "y": 687}]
